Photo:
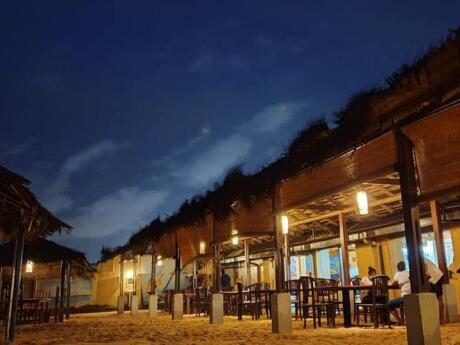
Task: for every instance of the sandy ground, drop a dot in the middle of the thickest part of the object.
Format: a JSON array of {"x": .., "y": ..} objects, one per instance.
[{"x": 107, "y": 328}]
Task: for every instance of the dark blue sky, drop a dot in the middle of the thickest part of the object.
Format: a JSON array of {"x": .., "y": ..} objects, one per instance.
[{"x": 119, "y": 110}]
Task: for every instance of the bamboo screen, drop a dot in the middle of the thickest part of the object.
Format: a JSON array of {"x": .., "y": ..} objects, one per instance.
[
  {"x": 371, "y": 158},
  {"x": 254, "y": 219},
  {"x": 436, "y": 142},
  {"x": 166, "y": 245},
  {"x": 190, "y": 237}
]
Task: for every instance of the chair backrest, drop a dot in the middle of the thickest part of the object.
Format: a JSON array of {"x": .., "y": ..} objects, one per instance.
[
  {"x": 307, "y": 285},
  {"x": 292, "y": 286},
  {"x": 43, "y": 294},
  {"x": 356, "y": 281},
  {"x": 380, "y": 287},
  {"x": 324, "y": 290}
]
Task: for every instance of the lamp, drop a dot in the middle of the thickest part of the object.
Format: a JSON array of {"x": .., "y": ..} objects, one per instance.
[
  {"x": 361, "y": 199},
  {"x": 285, "y": 225},
  {"x": 235, "y": 238},
  {"x": 202, "y": 248},
  {"x": 129, "y": 275},
  {"x": 159, "y": 261},
  {"x": 29, "y": 266}
]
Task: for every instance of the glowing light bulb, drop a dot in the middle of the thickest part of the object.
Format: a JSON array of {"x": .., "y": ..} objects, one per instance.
[
  {"x": 285, "y": 225},
  {"x": 361, "y": 199}
]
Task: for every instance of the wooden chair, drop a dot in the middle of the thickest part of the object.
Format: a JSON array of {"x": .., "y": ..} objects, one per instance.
[
  {"x": 293, "y": 288},
  {"x": 312, "y": 302},
  {"x": 201, "y": 301},
  {"x": 245, "y": 302},
  {"x": 379, "y": 307}
]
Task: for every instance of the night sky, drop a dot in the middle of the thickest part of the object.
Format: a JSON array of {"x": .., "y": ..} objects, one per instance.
[{"x": 117, "y": 111}]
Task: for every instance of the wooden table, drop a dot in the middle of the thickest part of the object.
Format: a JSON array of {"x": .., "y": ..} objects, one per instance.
[{"x": 346, "y": 300}]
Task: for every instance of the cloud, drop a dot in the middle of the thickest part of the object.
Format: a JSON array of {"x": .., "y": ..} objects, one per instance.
[
  {"x": 57, "y": 196},
  {"x": 205, "y": 130},
  {"x": 17, "y": 150},
  {"x": 211, "y": 164},
  {"x": 203, "y": 162},
  {"x": 273, "y": 117},
  {"x": 124, "y": 210}
]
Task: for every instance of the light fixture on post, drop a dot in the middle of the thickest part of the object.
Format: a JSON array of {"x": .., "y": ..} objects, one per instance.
[
  {"x": 29, "y": 266},
  {"x": 235, "y": 238},
  {"x": 159, "y": 260},
  {"x": 285, "y": 225},
  {"x": 202, "y": 248},
  {"x": 363, "y": 206}
]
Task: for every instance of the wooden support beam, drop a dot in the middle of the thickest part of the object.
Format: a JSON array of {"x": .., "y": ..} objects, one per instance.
[
  {"x": 439, "y": 239},
  {"x": 409, "y": 197},
  {"x": 344, "y": 244},
  {"x": 122, "y": 271},
  {"x": 68, "y": 290},
  {"x": 346, "y": 210},
  {"x": 247, "y": 263},
  {"x": 287, "y": 257},
  {"x": 12, "y": 312},
  {"x": 216, "y": 286},
  {"x": 278, "y": 243},
  {"x": 62, "y": 292},
  {"x": 153, "y": 271},
  {"x": 177, "y": 267}
]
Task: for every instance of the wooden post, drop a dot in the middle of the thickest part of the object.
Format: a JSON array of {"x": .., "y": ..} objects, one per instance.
[
  {"x": 439, "y": 239},
  {"x": 122, "y": 276},
  {"x": 344, "y": 244},
  {"x": 314, "y": 263},
  {"x": 1, "y": 286},
  {"x": 153, "y": 272},
  {"x": 217, "y": 286},
  {"x": 177, "y": 268},
  {"x": 68, "y": 276},
  {"x": 10, "y": 324},
  {"x": 278, "y": 244},
  {"x": 287, "y": 257},
  {"x": 135, "y": 274},
  {"x": 62, "y": 294},
  {"x": 409, "y": 197},
  {"x": 247, "y": 263}
]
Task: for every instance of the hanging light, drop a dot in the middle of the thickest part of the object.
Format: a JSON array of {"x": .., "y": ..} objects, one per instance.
[
  {"x": 235, "y": 238},
  {"x": 361, "y": 199},
  {"x": 129, "y": 275},
  {"x": 29, "y": 266},
  {"x": 202, "y": 248},
  {"x": 159, "y": 260},
  {"x": 285, "y": 225}
]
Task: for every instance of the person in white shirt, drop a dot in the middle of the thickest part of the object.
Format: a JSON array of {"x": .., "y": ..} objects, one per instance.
[
  {"x": 435, "y": 276},
  {"x": 401, "y": 280}
]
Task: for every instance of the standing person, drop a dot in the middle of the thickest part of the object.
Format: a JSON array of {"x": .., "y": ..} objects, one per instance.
[
  {"x": 225, "y": 281},
  {"x": 401, "y": 280},
  {"x": 435, "y": 277}
]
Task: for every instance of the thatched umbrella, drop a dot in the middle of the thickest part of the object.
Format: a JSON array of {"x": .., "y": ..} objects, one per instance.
[{"x": 21, "y": 216}]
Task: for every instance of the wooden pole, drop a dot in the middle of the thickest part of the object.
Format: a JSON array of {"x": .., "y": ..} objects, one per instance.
[
  {"x": 122, "y": 271},
  {"x": 247, "y": 263},
  {"x": 409, "y": 198},
  {"x": 314, "y": 263},
  {"x": 68, "y": 289},
  {"x": 177, "y": 268},
  {"x": 344, "y": 244},
  {"x": 1, "y": 286},
  {"x": 439, "y": 239},
  {"x": 62, "y": 294},
  {"x": 278, "y": 244},
  {"x": 10, "y": 324},
  {"x": 135, "y": 274},
  {"x": 287, "y": 257},
  {"x": 153, "y": 271},
  {"x": 217, "y": 286}
]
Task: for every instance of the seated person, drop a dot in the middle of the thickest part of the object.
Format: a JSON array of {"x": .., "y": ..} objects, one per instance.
[
  {"x": 401, "y": 280},
  {"x": 366, "y": 296}
]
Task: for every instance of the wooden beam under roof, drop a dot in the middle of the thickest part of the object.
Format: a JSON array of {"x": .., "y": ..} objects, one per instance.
[{"x": 384, "y": 181}]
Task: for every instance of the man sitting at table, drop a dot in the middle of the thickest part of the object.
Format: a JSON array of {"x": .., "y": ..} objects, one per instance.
[
  {"x": 401, "y": 280},
  {"x": 225, "y": 281}
]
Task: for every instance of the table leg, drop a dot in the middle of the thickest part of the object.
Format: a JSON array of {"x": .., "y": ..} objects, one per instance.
[
  {"x": 188, "y": 304},
  {"x": 346, "y": 308}
]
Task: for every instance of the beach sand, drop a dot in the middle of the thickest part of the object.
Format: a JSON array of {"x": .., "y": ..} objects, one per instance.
[{"x": 107, "y": 328}]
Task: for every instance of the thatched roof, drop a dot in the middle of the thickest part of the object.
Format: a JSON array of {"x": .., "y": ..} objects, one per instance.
[
  {"x": 430, "y": 81},
  {"x": 44, "y": 251},
  {"x": 18, "y": 205}
]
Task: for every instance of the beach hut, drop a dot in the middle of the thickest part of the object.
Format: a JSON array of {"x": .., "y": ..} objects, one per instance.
[{"x": 21, "y": 217}]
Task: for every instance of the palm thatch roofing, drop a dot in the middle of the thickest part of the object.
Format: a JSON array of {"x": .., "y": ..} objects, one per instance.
[
  {"x": 18, "y": 206},
  {"x": 417, "y": 88},
  {"x": 44, "y": 251}
]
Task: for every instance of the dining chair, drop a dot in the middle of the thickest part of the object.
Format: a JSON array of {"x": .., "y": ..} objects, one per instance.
[{"x": 293, "y": 288}]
